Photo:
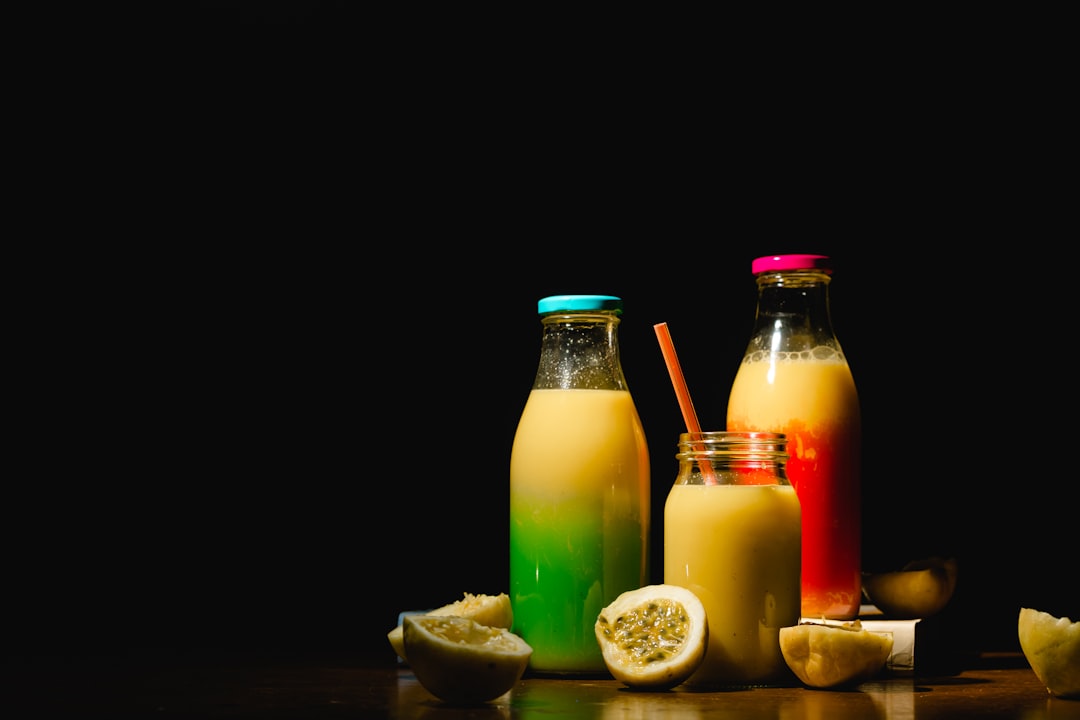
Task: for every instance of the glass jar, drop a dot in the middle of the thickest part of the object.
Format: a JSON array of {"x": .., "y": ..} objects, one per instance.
[{"x": 732, "y": 536}]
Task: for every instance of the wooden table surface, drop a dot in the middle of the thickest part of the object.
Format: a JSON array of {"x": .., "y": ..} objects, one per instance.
[{"x": 994, "y": 686}]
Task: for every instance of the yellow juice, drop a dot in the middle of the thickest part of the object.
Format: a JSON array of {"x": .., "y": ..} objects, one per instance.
[
  {"x": 737, "y": 547},
  {"x": 579, "y": 520},
  {"x": 814, "y": 402}
]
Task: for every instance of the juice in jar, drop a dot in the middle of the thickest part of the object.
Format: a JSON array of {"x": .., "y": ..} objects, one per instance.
[
  {"x": 579, "y": 520},
  {"x": 737, "y": 548},
  {"x": 812, "y": 399}
]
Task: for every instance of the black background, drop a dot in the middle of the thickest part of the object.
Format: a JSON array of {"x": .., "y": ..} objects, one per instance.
[{"x": 284, "y": 266}]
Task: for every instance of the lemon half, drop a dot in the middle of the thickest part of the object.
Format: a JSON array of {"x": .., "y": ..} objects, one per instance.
[
  {"x": 654, "y": 637},
  {"x": 491, "y": 610},
  {"x": 461, "y": 661},
  {"x": 825, "y": 656},
  {"x": 1052, "y": 648}
]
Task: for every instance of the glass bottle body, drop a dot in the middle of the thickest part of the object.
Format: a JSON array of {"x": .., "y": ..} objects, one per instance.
[
  {"x": 795, "y": 379},
  {"x": 732, "y": 535},
  {"x": 579, "y": 493}
]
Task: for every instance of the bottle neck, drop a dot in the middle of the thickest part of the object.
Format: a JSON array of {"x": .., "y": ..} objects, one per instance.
[
  {"x": 793, "y": 313},
  {"x": 580, "y": 351}
]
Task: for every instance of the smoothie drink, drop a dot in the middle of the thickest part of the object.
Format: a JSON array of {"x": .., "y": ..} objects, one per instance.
[
  {"x": 811, "y": 397},
  {"x": 579, "y": 520},
  {"x": 737, "y": 548}
]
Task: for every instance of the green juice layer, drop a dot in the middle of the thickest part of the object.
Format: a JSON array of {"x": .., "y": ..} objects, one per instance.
[{"x": 567, "y": 562}]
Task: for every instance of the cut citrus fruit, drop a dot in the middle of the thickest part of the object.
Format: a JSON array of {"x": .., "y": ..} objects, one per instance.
[
  {"x": 1052, "y": 648},
  {"x": 825, "y": 656},
  {"x": 461, "y": 661},
  {"x": 653, "y": 637},
  {"x": 921, "y": 589},
  {"x": 491, "y": 610}
]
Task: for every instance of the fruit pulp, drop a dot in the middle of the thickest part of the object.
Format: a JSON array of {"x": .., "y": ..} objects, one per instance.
[
  {"x": 737, "y": 547},
  {"x": 579, "y": 521},
  {"x": 814, "y": 402}
]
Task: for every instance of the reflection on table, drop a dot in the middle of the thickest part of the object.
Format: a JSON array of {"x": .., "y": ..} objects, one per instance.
[{"x": 1002, "y": 687}]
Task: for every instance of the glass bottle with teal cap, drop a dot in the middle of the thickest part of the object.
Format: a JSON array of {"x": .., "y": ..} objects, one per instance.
[{"x": 579, "y": 487}]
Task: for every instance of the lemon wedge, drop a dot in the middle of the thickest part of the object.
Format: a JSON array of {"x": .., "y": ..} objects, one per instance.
[
  {"x": 491, "y": 610},
  {"x": 654, "y": 637},
  {"x": 1052, "y": 648},
  {"x": 461, "y": 661},
  {"x": 825, "y": 656}
]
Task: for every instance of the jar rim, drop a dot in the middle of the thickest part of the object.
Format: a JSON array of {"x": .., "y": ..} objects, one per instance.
[{"x": 732, "y": 436}]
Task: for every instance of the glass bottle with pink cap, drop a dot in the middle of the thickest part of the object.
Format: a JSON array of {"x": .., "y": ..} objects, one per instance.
[{"x": 795, "y": 379}]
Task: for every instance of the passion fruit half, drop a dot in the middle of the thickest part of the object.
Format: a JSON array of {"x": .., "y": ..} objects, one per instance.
[
  {"x": 1052, "y": 648},
  {"x": 653, "y": 638},
  {"x": 461, "y": 661},
  {"x": 826, "y": 656},
  {"x": 921, "y": 589},
  {"x": 490, "y": 610}
]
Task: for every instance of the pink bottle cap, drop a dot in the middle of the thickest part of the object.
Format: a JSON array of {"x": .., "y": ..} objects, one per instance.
[{"x": 774, "y": 263}]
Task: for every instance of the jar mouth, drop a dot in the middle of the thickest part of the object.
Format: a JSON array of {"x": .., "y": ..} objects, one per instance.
[{"x": 725, "y": 443}]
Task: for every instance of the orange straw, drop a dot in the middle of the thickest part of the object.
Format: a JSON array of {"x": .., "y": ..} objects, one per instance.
[{"x": 667, "y": 347}]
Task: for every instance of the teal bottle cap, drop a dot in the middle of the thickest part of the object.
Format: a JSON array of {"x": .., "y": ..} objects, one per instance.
[
  {"x": 578, "y": 303},
  {"x": 774, "y": 263}
]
